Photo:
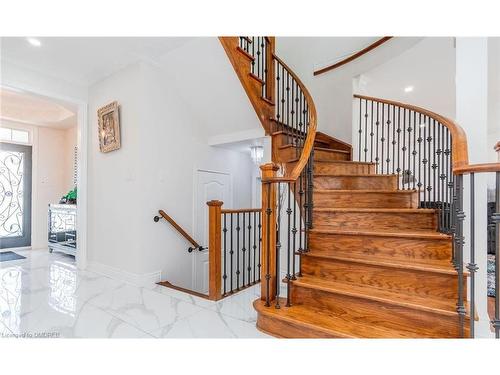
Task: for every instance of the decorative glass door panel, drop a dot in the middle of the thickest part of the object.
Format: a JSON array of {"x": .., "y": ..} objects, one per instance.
[{"x": 15, "y": 195}]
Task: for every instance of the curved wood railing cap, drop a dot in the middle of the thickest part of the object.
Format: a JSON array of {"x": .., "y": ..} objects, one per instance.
[
  {"x": 460, "y": 155},
  {"x": 311, "y": 134}
]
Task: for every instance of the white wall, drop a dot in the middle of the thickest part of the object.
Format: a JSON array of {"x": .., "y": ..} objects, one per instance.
[
  {"x": 429, "y": 66},
  {"x": 164, "y": 142},
  {"x": 472, "y": 115},
  {"x": 332, "y": 91}
]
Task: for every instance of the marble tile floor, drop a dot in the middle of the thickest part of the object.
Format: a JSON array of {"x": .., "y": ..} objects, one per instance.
[{"x": 45, "y": 295}]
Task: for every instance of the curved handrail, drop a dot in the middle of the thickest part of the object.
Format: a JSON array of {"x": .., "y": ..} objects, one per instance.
[
  {"x": 460, "y": 156},
  {"x": 311, "y": 134},
  {"x": 353, "y": 56}
]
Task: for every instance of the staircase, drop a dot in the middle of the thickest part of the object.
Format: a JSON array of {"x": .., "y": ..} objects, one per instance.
[
  {"x": 376, "y": 267},
  {"x": 365, "y": 253}
]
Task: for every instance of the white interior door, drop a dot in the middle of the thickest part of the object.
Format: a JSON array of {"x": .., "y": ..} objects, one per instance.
[{"x": 210, "y": 186}]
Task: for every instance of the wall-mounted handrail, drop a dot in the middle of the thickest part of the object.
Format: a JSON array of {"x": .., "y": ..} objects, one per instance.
[
  {"x": 190, "y": 239},
  {"x": 353, "y": 56}
]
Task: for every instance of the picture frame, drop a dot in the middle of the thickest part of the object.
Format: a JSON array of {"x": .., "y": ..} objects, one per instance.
[{"x": 109, "y": 127}]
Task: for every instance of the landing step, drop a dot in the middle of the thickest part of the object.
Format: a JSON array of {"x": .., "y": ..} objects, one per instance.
[
  {"x": 302, "y": 321},
  {"x": 442, "y": 307}
]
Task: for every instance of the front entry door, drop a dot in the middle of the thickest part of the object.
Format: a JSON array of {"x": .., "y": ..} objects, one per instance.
[
  {"x": 15, "y": 195},
  {"x": 210, "y": 186}
]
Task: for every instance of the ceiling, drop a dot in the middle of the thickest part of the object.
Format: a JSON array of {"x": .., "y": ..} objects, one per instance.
[
  {"x": 85, "y": 60},
  {"x": 36, "y": 110}
]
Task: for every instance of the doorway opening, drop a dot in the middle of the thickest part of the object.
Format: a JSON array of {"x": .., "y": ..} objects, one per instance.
[{"x": 40, "y": 139}]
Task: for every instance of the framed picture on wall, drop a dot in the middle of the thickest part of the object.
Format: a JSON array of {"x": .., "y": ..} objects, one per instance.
[{"x": 109, "y": 127}]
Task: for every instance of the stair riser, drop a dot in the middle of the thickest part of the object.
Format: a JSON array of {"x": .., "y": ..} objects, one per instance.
[
  {"x": 374, "y": 182},
  {"x": 379, "y": 314},
  {"x": 343, "y": 168},
  {"x": 335, "y": 199},
  {"x": 282, "y": 140},
  {"x": 330, "y": 155},
  {"x": 374, "y": 221},
  {"x": 280, "y": 328},
  {"x": 410, "y": 282},
  {"x": 379, "y": 248}
]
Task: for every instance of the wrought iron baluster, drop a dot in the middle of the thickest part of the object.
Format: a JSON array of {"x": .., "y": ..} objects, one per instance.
[
  {"x": 459, "y": 242},
  {"x": 404, "y": 148},
  {"x": 249, "y": 266},
  {"x": 360, "y": 131},
  {"x": 371, "y": 132},
  {"x": 382, "y": 139},
  {"x": 278, "y": 248},
  {"x": 288, "y": 258},
  {"x": 238, "y": 249},
  {"x": 365, "y": 149},
  {"x": 388, "y": 159},
  {"x": 424, "y": 163},
  {"x": 393, "y": 139},
  {"x": 434, "y": 165},
  {"x": 377, "y": 124},
  {"x": 429, "y": 166},
  {"x": 398, "y": 169},
  {"x": 294, "y": 231},
  {"x": 259, "y": 264},
  {"x": 414, "y": 153},
  {"x": 254, "y": 244},
  {"x": 231, "y": 253},
  {"x": 224, "y": 275},
  {"x": 243, "y": 252},
  {"x": 472, "y": 266}
]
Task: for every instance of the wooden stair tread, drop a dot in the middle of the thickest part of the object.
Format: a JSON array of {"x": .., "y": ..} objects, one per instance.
[
  {"x": 344, "y": 162},
  {"x": 355, "y": 175},
  {"x": 443, "y": 307},
  {"x": 443, "y": 267},
  {"x": 321, "y": 322},
  {"x": 315, "y": 148},
  {"x": 364, "y": 191},
  {"x": 421, "y": 234},
  {"x": 425, "y": 211}
]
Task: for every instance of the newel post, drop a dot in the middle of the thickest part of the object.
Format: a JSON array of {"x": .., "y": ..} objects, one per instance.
[
  {"x": 268, "y": 269},
  {"x": 214, "y": 250}
]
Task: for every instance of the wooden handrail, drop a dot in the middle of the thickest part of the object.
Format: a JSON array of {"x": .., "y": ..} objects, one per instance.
[
  {"x": 478, "y": 168},
  {"x": 240, "y": 210},
  {"x": 460, "y": 156},
  {"x": 190, "y": 239},
  {"x": 353, "y": 56},
  {"x": 311, "y": 134}
]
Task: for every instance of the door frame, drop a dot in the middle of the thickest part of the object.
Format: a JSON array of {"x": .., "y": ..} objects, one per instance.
[
  {"x": 82, "y": 172},
  {"x": 27, "y": 198},
  {"x": 195, "y": 210}
]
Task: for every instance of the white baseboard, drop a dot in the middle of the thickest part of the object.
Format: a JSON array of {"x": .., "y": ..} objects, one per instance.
[{"x": 147, "y": 280}]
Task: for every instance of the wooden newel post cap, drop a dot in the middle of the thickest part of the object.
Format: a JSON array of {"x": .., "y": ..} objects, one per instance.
[
  {"x": 269, "y": 167},
  {"x": 215, "y": 203}
]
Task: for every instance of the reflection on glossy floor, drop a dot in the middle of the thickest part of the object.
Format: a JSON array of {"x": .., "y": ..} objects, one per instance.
[{"x": 45, "y": 295}]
